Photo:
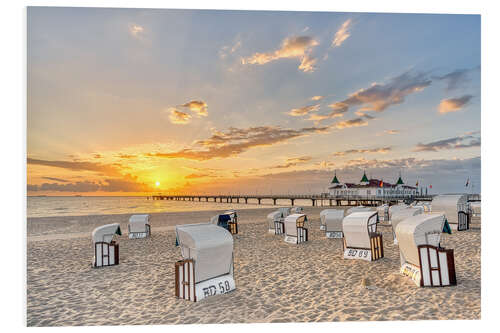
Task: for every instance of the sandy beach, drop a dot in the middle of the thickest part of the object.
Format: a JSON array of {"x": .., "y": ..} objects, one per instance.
[{"x": 275, "y": 281}]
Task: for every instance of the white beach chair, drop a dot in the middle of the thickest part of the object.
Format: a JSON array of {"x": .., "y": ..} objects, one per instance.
[
  {"x": 422, "y": 257},
  {"x": 383, "y": 212},
  {"x": 106, "y": 250},
  {"x": 361, "y": 239},
  {"x": 400, "y": 215},
  {"x": 138, "y": 226},
  {"x": 455, "y": 208},
  {"x": 333, "y": 223},
  {"x": 322, "y": 214},
  {"x": 296, "y": 210},
  {"x": 207, "y": 265},
  {"x": 276, "y": 219},
  {"x": 295, "y": 230}
]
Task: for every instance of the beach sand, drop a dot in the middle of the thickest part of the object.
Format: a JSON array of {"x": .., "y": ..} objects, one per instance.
[{"x": 275, "y": 281}]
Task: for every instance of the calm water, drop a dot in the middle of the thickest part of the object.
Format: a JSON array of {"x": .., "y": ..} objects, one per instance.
[{"x": 77, "y": 206}]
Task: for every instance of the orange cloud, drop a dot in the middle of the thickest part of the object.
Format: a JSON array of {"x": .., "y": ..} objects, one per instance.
[
  {"x": 198, "y": 107},
  {"x": 382, "y": 150},
  {"x": 292, "y": 47},
  {"x": 453, "y": 104},
  {"x": 342, "y": 34},
  {"x": 178, "y": 117},
  {"x": 304, "y": 110}
]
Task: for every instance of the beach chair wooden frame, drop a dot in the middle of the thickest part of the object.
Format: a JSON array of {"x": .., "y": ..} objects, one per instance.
[
  {"x": 279, "y": 227},
  {"x": 233, "y": 227},
  {"x": 186, "y": 286},
  {"x": 106, "y": 254},
  {"x": 463, "y": 221},
  {"x": 302, "y": 235},
  {"x": 134, "y": 235},
  {"x": 436, "y": 267},
  {"x": 184, "y": 280}
]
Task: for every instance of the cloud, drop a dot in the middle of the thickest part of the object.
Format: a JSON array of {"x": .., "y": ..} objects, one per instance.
[
  {"x": 356, "y": 122},
  {"x": 135, "y": 30},
  {"x": 316, "y": 98},
  {"x": 126, "y": 156},
  {"x": 308, "y": 64},
  {"x": 198, "y": 107},
  {"x": 319, "y": 117},
  {"x": 455, "y": 79},
  {"x": 235, "y": 141},
  {"x": 197, "y": 175},
  {"x": 178, "y": 117},
  {"x": 342, "y": 34},
  {"x": 304, "y": 110},
  {"x": 56, "y": 179},
  {"x": 459, "y": 142},
  {"x": 292, "y": 47},
  {"x": 446, "y": 175},
  {"x": 391, "y": 131},
  {"x": 453, "y": 104},
  {"x": 380, "y": 96},
  {"x": 126, "y": 184},
  {"x": 290, "y": 162},
  {"x": 381, "y": 150},
  {"x": 229, "y": 49},
  {"x": 106, "y": 169}
]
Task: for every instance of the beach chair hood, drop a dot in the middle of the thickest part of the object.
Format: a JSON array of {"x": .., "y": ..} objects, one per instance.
[
  {"x": 450, "y": 205},
  {"x": 359, "y": 209},
  {"x": 333, "y": 219},
  {"x": 210, "y": 246},
  {"x": 419, "y": 230},
  {"x": 356, "y": 228},
  {"x": 402, "y": 214},
  {"x": 323, "y": 213},
  {"x": 106, "y": 232}
]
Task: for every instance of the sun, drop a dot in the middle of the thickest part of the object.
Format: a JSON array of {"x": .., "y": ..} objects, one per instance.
[{"x": 157, "y": 184}]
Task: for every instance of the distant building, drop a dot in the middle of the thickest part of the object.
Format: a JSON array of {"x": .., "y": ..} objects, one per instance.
[{"x": 371, "y": 187}]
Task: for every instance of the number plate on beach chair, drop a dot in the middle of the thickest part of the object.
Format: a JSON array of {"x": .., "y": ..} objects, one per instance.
[
  {"x": 334, "y": 234},
  {"x": 358, "y": 254}
]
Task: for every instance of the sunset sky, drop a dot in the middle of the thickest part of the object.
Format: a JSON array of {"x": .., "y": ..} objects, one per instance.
[{"x": 131, "y": 101}]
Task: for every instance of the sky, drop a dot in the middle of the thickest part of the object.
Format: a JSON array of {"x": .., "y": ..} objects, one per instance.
[{"x": 142, "y": 101}]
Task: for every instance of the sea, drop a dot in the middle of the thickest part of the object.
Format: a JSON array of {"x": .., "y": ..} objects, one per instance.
[{"x": 80, "y": 206}]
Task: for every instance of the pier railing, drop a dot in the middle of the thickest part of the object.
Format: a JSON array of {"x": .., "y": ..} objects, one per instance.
[{"x": 349, "y": 200}]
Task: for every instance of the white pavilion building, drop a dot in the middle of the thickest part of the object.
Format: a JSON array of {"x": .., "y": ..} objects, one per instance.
[{"x": 371, "y": 188}]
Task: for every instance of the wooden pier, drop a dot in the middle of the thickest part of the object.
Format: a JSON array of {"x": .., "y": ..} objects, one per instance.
[{"x": 316, "y": 200}]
